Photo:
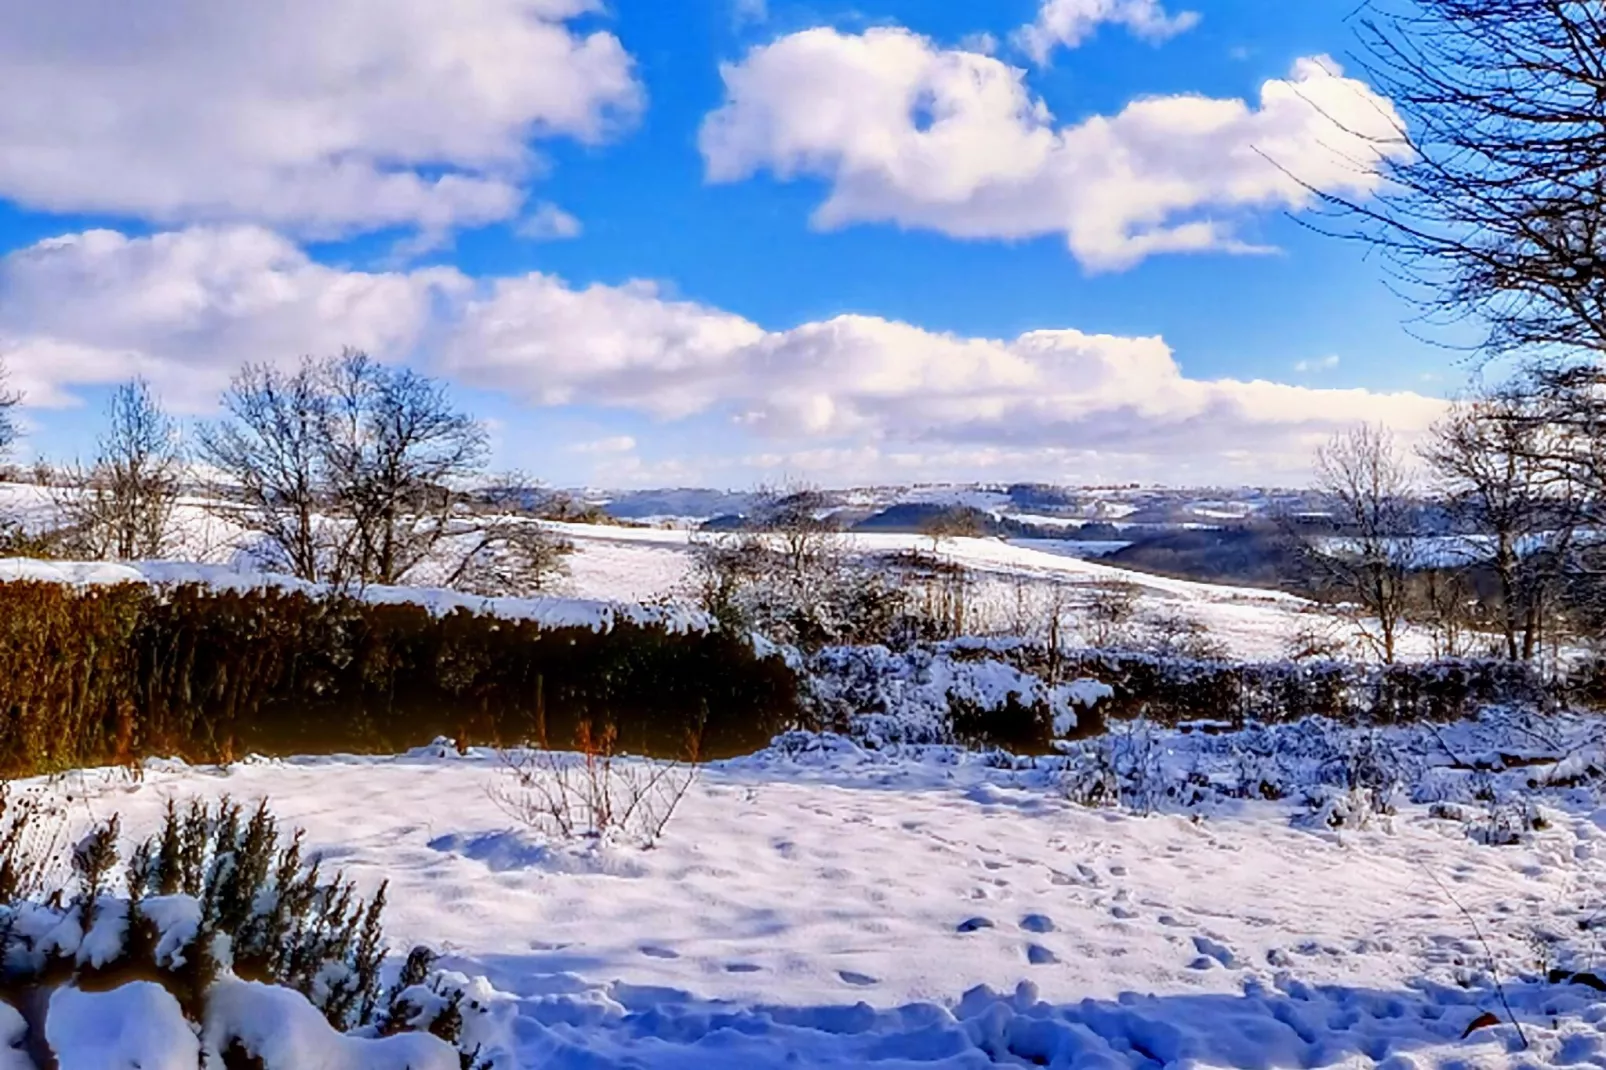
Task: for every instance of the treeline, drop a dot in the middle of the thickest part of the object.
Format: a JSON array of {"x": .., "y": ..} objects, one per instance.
[
  {"x": 341, "y": 471},
  {"x": 110, "y": 675},
  {"x": 1519, "y": 469}
]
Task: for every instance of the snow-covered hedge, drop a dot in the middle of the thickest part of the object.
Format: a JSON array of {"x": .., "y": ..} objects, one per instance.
[
  {"x": 1022, "y": 697},
  {"x": 99, "y": 673}
]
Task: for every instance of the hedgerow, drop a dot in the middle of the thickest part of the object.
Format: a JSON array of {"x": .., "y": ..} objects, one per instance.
[
  {"x": 1173, "y": 691},
  {"x": 113, "y": 674}
]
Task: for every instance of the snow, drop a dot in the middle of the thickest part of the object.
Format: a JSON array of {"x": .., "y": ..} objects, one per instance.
[
  {"x": 638, "y": 565},
  {"x": 824, "y": 904},
  {"x": 906, "y": 697},
  {"x": 616, "y": 565},
  {"x": 136, "y": 1024},
  {"x": 284, "y": 1030},
  {"x": 1082, "y": 548},
  {"x": 549, "y": 612},
  {"x": 13, "y": 1030}
]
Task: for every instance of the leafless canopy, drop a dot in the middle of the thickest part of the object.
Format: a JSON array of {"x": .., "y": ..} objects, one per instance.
[
  {"x": 393, "y": 447},
  {"x": 1363, "y": 475},
  {"x": 352, "y": 472},
  {"x": 122, "y": 506},
  {"x": 9, "y": 400},
  {"x": 1499, "y": 462},
  {"x": 1493, "y": 202},
  {"x": 270, "y": 446}
]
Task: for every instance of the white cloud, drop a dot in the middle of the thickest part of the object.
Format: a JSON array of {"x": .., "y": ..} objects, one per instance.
[
  {"x": 908, "y": 133},
  {"x": 321, "y": 116},
  {"x": 614, "y": 445},
  {"x": 185, "y": 309},
  {"x": 1321, "y": 364},
  {"x": 898, "y": 397},
  {"x": 1068, "y": 23},
  {"x": 548, "y": 222},
  {"x": 860, "y": 394}
]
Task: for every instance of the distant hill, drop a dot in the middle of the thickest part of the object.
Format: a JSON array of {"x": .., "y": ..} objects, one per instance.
[{"x": 1251, "y": 556}]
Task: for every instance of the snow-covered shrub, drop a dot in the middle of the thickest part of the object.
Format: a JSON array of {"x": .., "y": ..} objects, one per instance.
[
  {"x": 1124, "y": 768},
  {"x": 216, "y": 906},
  {"x": 947, "y": 693},
  {"x": 792, "y": 580},
  {"x": 1355, "y": 808},
  {"x": 1497, "y": 815}
]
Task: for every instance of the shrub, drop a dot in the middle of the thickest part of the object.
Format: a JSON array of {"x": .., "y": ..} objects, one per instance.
[
  {"x": 111, "y": 674},
  {"x": 217, "y": 897},
  {"x": 595, "y": 793}
]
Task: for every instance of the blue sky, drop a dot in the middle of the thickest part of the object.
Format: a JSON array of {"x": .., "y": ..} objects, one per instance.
[{"x": 717, "y": 242}]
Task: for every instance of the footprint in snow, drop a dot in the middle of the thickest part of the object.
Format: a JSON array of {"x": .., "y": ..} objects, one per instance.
[
  {"x": 970, "y": 925},
  {"x": 1124, "y": 913},
  {"x": 858, "y": 980},
  {"x": 1037, "y": 923},
  {"x": 1216, "y": 950},
  {"x": 1038, "y": 955},
  {"x": 742, "y": 967},
  {"x": 659, "y": 952}
]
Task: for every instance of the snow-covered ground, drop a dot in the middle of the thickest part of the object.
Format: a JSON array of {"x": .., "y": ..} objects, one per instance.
[
  {"x": 639, "y": 564},
  {"x": 643, "y": 564},
  {"x": 822, "y": 905}
]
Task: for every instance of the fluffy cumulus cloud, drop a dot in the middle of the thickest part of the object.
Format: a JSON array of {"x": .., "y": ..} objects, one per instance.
[
  {"x": 323, "y": 116},
  {"x": 879, "y": 398},
  {"x": 1067, "y": 23},
  {"x": 186, "y": 308},
  {"x": 906, "y": 132},
  {"x": 853, "y": 395}
]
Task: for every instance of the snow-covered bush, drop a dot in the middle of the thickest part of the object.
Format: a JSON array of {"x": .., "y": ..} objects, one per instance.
[
  {"x": 1124, "y": 768},
  {"x": 218, "y": 922},
  {"x": 947, "y": 693}
]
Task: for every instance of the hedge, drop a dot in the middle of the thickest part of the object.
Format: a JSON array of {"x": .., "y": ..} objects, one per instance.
[{"x": 117, "y": 673}]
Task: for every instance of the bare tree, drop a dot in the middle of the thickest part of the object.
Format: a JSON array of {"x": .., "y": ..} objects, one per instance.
[
  {"x": 121, "y": 507},
  {"x": 1491, "y": 199},
  {"x": 269, "y": 448},
  {"x": 1369, "y": 563},
  {"x": 394, "y": 449},
  {"x": 1108, "y": 616},
  {"x": 349, "y": 472},
  {"x": 791, "y": 576},
  {"x": 9, "y": 400},
  {"x": 1494, "y": 458}
]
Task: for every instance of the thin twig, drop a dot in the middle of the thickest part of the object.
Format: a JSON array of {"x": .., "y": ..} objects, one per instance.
[{"x": 1488, "y": 951}]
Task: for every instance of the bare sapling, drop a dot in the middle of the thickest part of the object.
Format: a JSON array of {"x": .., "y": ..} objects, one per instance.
[{"x": 595, "y": 792}]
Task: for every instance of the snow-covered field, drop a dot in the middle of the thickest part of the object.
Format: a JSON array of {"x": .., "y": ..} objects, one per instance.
[
  {"x": 640, "y": 564},
  {"x": 646, "y": 564},
  {"x": 822, "y": 905}
]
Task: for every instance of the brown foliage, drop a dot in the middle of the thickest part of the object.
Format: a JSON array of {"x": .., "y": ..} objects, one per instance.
[{"x": 115, "y": 674}]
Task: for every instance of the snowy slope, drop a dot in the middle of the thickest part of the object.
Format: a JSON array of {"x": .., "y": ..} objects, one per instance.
[
  {"x": 833, "y": 907},
  {"x": 639, "y": 564},
  {"x": 636, "y": 564}
]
